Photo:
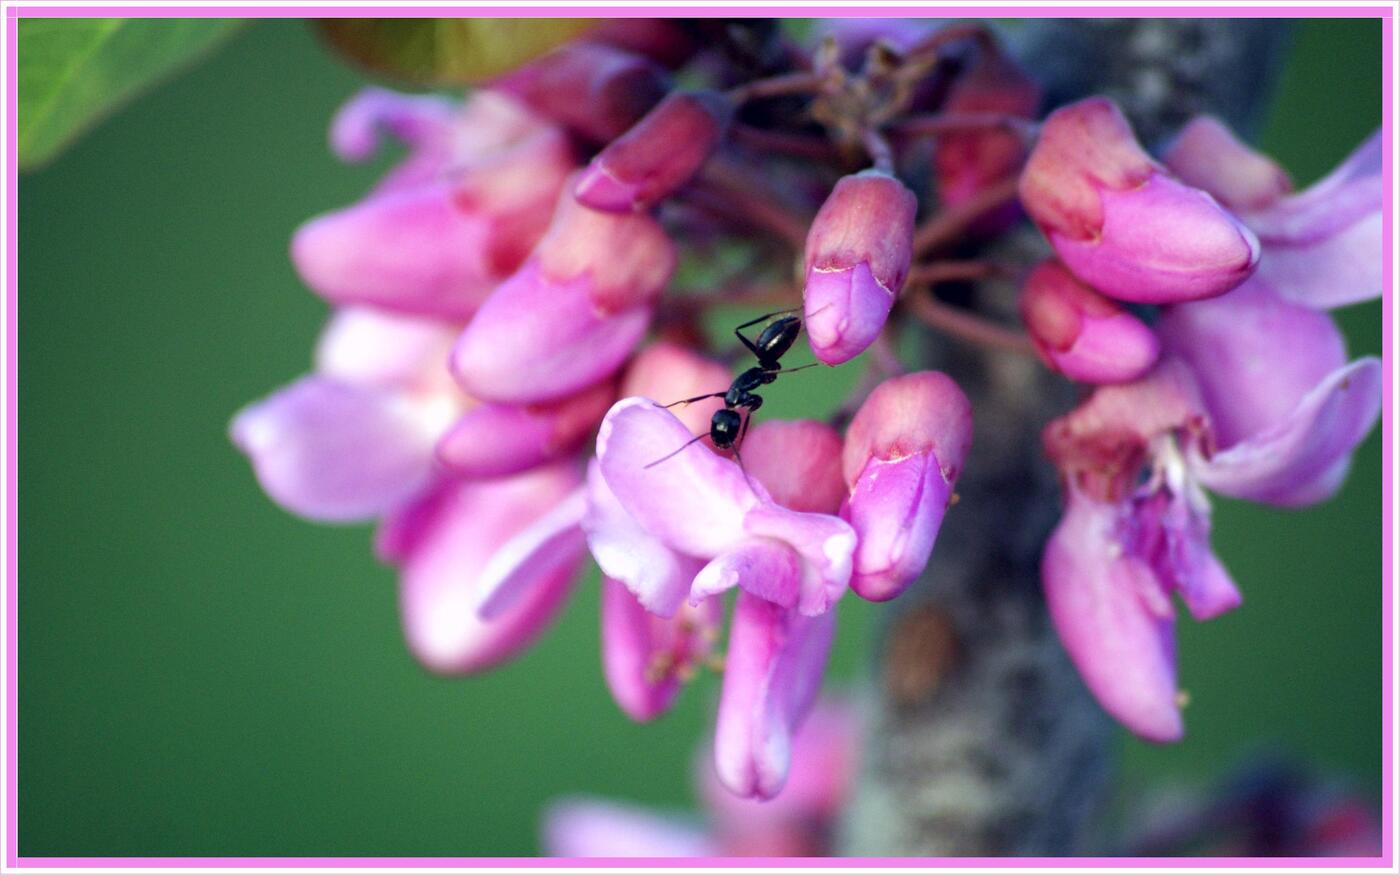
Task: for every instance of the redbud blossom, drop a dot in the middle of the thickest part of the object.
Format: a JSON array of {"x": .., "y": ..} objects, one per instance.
[
  {"x": 573, "y": 312},
  {"x": 485, "y": 565},
  {"x": 1082, "y": 334},
  {"x": 596, "y": 90},
  {"x": 968, "y": 161},
  {"x": 450, "y": 223},
  {"x": 1123, "y": 224},
  {"x": 699, "y": 505},
  {"x": 657, "y": 155},
  {"x": 904, "y": 450},
  {"x": 495, "y": 439},
  {"x": 1320, "y": 247},
  {"x": 857, "y": 257},
  {"x": 353, "y": 440}
]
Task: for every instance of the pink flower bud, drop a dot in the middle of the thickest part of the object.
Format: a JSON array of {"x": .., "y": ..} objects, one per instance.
[
  {"x": 596, "y": 90},
  {"x": 664, "y": 40},
  {"x": 1082, "y": 334},
  {"x": 858, "y": 253},
  {"x": 798, "y": 462},
  {"x": 493, "y": 440},
  {"x": 646, "y": 658},
  {"x": 1120, "y": 222},
  {"x": 904, "y": 451},
  {"x": 968, "y": 161},
  {"x": 1208, "y": 156},
  {"x": 657, "y": 155},
  {"x": 572, "y": 314}
]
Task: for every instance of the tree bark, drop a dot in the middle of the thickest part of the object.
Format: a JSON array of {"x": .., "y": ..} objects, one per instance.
[{"x": 982, "y": 739}]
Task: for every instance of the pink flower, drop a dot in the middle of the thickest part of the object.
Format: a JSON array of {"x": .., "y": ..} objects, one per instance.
[
  {"x": 858, "y": 252},
  {"x": 485, "y": 565},
  {"x": 799, "y": 822},
  {"x": 904, "y": 450},
  {"x": 596, "y": 90},
  {"x": 699, "y": 505},
  {"x": 657, "y": 155},
  {"x": 449, "y": 223},
  {"x": 572, "y": 314},
  {"x": 1123, "y": 224},
  {"x": 494, "y": 439},
  {"x": 353, "y": 440},
  {"x": 1135, "y": 459},
  {"x": 1082, "y": 334},
  {"x": 1321, "y": 247}
]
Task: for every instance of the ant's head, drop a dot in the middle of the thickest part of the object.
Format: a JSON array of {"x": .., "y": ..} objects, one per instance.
[{"x": 724, "y": 428}]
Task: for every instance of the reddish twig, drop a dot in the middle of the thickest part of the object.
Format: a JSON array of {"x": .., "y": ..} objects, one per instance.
[
  {"x": 946, "y": 123},
  {"x": 776, "y": 86},
  {"x": 946, "y": 225},
  {"x": 965, "y": 324},
  {"x": 797, "y": 145}
]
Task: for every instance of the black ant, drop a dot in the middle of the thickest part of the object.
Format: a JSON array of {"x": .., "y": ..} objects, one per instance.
[{"x": 728, "y": 426}]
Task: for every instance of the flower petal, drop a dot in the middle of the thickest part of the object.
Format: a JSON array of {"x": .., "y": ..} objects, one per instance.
[
  {"x": 551, "y": 542},
  {"x": 1113, "y": 619},
  {"x": 825, "y": 543},
  {"x": 368, "y": 347},
  {"x": 659, "y": 577},
  {"x": 896, "y": 509},
  {"x": 494, "y": 440},
  {"x": 769, "y": 569},
  {"x": 536, "y": 340},
  {"x": 646, "y": 658},
  {"x": 585, "y": 827},
  {"x": 772, "y": 675},
  {"x": 695, "y": 501},
  {"x": 334, "y": 452},
  {"x": 1298, "y": 461},
  {"x": 413, "y": 250},
  {"x": 439, "y": 585}
]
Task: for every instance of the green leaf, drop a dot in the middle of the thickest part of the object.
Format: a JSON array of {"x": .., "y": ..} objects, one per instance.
[
  {"x": 447, "y": 51},
  {"x": 74, "y": 71}
]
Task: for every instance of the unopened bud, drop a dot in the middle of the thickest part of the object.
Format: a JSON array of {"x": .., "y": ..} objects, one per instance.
[{"x": 1082, "y": 334}]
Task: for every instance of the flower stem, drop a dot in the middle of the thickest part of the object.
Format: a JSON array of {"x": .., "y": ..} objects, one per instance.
[
  {"x": 933, "y": 272},
  {"x": 946, "y": 123},
  {"x": 878, "y": 147},
  {"x": 787, "y": 84},
  {"x": 965, "y": 325},
  {"x": 797, "y": 145},
  {"x": 947, "y": 225}
]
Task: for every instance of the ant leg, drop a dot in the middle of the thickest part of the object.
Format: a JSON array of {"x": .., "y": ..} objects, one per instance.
[
  {"x": 796, "y": 369},
  {"x": 675, "y": 451},
  {"x": 691, "y": 400},
  {"x": 764, "y": 318}
]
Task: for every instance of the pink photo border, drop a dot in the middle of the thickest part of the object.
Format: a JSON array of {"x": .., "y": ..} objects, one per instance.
[{"x": 14, "y": 861}]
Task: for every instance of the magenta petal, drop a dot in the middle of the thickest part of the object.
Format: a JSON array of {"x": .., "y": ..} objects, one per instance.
[
  {"x": 334, "y": 452},
  {"x": 552, "y": 542},
  {"x": 1297, "y": 460},
  {"x": 494, "y": 440},
  {"x": 694, "y": 502},
  {"x": 1113, "y": 349},
  {"x": 368, "y": 347},
  {"x": 538, "y": 340},
  {"x": 1161, "y": 242},
  {"x": 659, "y": 577},
  {"x": 1113, "y": 619},
  {"x": 439, "y": 585},
  {"x": 845, "y": 310},
  {"x": 414, "y": 250},
  {"x": 583, "y": 828},
  {"x": 1255, "y": 356},
  {"x": 769, "y": 569},
  {"x": 772, "y": 675},
  {"x": 411, "y": 118},
  {"x": 646, "y": 658},
  {"x": 824, "y": 542},
  {"x": 896, "y": 509}
]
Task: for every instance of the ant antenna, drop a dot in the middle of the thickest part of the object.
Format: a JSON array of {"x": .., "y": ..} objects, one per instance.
[{"x": 675, "y": 451}]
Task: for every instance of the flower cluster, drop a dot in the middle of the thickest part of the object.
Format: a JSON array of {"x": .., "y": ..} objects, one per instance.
[{"x": 509, "y": 383}]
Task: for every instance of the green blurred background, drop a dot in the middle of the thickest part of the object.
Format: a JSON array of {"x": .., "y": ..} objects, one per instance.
[{"x": 201, "y": 673}]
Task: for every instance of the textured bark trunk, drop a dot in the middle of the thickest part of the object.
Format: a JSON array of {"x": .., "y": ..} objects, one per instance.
[{"x": 983, "y": 739}]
